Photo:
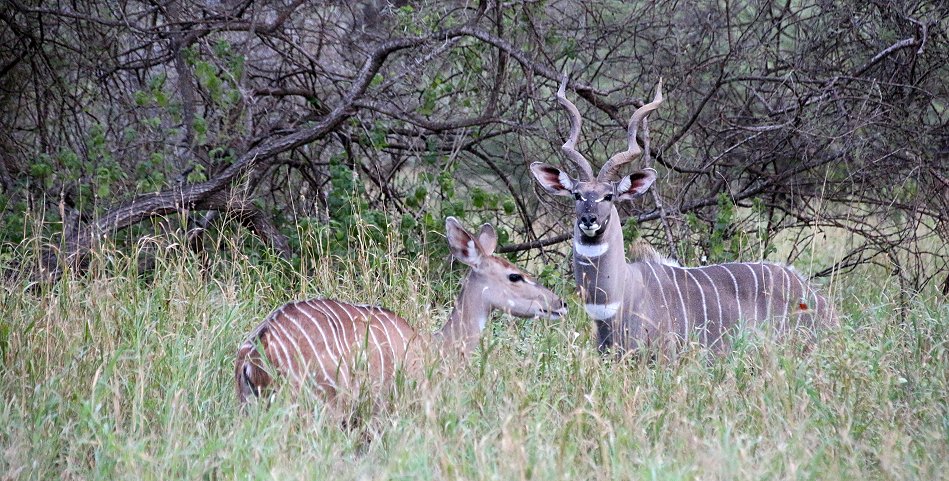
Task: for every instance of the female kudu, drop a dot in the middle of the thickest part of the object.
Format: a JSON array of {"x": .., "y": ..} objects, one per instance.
[{"x": 320, "y": 342}]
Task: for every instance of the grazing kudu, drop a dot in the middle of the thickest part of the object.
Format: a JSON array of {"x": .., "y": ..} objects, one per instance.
[
  {"x": 321, "y": 342},
  {"x": 651, "y": 302}
]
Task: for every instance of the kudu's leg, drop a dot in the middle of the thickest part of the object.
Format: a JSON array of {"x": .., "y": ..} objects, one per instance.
[{"x": 604, "y": 335}]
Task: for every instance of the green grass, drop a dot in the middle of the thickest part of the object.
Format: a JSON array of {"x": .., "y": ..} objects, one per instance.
[{"x": 113, "y": 375}]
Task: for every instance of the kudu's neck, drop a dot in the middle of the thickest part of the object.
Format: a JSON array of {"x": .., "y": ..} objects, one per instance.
[
  {"x": 462, "y": 332},
  {"x": 600, "y": 264}
]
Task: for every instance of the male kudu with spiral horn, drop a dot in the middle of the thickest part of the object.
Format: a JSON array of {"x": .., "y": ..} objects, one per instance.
[{"x": 651, "y": 302}]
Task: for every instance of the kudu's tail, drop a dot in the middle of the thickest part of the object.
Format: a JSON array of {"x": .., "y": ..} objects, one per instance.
[{"x": 816, "y": 309}]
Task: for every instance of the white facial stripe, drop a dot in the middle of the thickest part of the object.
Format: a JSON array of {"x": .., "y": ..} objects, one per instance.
[
  {"x": 601, "y": 312},
  {"x": 591, "y": 250}
]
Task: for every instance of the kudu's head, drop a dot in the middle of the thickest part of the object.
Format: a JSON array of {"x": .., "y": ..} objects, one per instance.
[
  {"x": 595, "y": 195},
  {"x": 498, "y": 283}
]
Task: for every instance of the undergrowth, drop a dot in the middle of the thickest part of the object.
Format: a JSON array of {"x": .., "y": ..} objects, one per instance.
[{"x": 122, "y": 373}]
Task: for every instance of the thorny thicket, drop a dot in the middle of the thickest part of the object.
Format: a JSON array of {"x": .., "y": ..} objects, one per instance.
[{"x": 803, "y": 114}]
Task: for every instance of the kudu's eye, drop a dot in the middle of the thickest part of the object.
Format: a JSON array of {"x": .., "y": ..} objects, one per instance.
[
  {"x": 515, "y": 278},
  {"x": 608, "y": 197},
  {"x": 576, "y": 195}
]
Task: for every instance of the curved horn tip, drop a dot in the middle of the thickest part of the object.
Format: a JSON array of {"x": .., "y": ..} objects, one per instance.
[
  {"x": 562, "y": 91},
  {"x": 658, "y": 97}
]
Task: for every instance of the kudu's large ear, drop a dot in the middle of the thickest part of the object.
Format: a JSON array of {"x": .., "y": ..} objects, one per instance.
[
  {"x": 635, "y": 184},
  {"x": 462, "y": 244},
  {"x": 488, "y": 239},
  {"x": 552, "y": 179}
]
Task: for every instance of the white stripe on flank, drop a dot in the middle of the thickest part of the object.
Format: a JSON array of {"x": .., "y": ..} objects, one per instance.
[
  {"x": 350, "y": 338},
  {"x": 590, "y": 250},
  {"x": 300, "y": 357},
  {"x": 768, "y": 289},
  {"x": 306, "y": 336},
  {"x": 384, "y": 322},
  {"x": 685, "y": 313},
  {"x": 360, "y": 340},
  {"x": 324, "y": 322},
  {"x": 787, "y": 293},
  {"x": 350, "y": 329},
  {"x": 287, "y": 361},
  {"x": 370, "y": 339},
  {"x": 755, "y": 300},
  {"x": 718, "y": 298},
  {"x": 662, "y": 292},
  {"x": 397, "y": 324},
  {"x": 378, "y": 344},
  {"x": 333, "y": 329},
  {"x": 704, "y": 308},
  {"x": 325, "y": 311},
  {"x": 737, "y": 295},
  {"x": 327, "y": 347},
  {"x": 275, "y": 337},
  {"x": 601, "y": 312}
]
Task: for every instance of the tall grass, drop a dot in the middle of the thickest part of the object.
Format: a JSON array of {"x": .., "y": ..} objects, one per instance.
[{"x": 118, "y": 374}]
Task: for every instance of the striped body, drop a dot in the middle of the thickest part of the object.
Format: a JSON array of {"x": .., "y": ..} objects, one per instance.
[
  {"x": 704, "y": 303},
  {"x": 325, "y": 344},
  {"x": 651, "y": 303}
]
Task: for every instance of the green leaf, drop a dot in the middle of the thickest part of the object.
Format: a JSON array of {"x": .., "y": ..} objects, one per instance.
[
  {"x": 376, "y": 80},
  {"x": 509, "y": 206}
]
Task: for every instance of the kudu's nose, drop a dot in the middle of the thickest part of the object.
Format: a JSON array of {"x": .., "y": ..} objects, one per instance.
[
  {"x": 557, "y": 309},
  {"x": 587, "y": 219}
]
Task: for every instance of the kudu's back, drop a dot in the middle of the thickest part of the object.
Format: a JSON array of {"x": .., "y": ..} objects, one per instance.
[{"x": 325, "y": 344}]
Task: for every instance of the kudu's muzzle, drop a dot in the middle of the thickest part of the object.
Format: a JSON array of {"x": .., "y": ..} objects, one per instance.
[{"x": 589, "y": 222}]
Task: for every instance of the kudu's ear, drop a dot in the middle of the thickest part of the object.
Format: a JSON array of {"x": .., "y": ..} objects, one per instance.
[
  {"x": 488, "y": 239},
  {"x": 462, "y": 244},
  {"x": 552, "y": 179},
  {"x": 635, "y": 184}
]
